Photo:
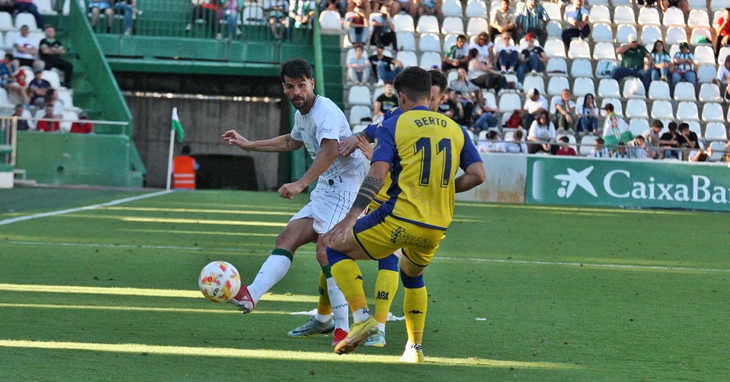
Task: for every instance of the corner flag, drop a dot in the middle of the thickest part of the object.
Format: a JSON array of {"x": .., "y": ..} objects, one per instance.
[{"x": 176, "y": 126}]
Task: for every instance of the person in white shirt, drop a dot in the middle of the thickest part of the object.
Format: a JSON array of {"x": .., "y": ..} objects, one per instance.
[
  {"x": 723, "y": 77},
  {"x": 319, "y": 126},
  {"x": 25, "y": 48},
  {"x": 534, "y": 105},
  {"x": 578, "y": 22},
  {"x": 517, "y": 145},
  {"x": 493, "y": 144},
  {"x": 542, "y": 133},
  {"x": 599, "y": 151},
  {"x": 507, "y": 54},
  {"x": 484, "y": 46}
]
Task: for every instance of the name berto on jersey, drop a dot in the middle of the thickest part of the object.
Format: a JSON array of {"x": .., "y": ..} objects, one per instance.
[{"x": 420, "y": 122}]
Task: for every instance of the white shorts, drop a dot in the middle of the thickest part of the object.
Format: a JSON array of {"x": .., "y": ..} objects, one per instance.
[{"x": 327, "y": 208}]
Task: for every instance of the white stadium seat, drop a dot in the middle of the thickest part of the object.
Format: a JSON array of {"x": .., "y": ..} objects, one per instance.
[
  {"x": 608, "y": 88},
  {"x": 710, "y": 93},
  {"x": 476, "y": 8},
  {"x": 581, "y": 68},
  {"x": 583, "y": 86},
  {"x": 556, "y": 66},
  {"x": 662, "y": 110},
  {"x": 673, "y": 17},
  {"x": 688, "y": 111},
  {"x": 579, "y": 49},
  {"x": 659, "y": 90},
  {"x": 403, "y": 23},
  {"x": 636, "y": 109},
  {"x": 357, "y": 113},
  {"x": 650, "y": 34},
  {"x": 555, "y": 48},
  {"x": 638, "y": 126},
  {"x": 624, "y": 15},
  {"x": 534, "y": 82},
  {"x": 451, "y": 8},
  {"x": 684, "y": 91},
  {"x": 557, "y": 85},
  {"x": 476, "y": 25},
  {"x": 600, "y": 14},
  {"x": 649, "y": 16},
  {"x": 628, "y": 89},
  {"x": 452, "y": 25},
  {"x": 428, "y": 24},
  {"x": 602, "y": 33},
  {"x": 698, "y": 18},
  {"x": 406, "y": 41},
  {"x": 715, "y": 131},
  {"x": 359, "y": 95},
  {"x": 604, "y": 51},
  {"x": 712, "y": 112},
  {"x": 429, "y": 42},
  {"x": 430, "y": 59},
  {"x": 328, "y": 20}
]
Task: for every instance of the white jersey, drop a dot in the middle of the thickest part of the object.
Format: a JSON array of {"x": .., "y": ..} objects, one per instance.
[{"x": 326, "y": 121}]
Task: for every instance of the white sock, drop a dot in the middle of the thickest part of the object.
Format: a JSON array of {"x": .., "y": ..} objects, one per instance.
[
  {"x": 322, "y": 317},
  {"x": 381, "y": 327},
  {"x": 340, "y": 308},
  {"x": 272, "y": 271},
  {"x": 361, "y": 315}
]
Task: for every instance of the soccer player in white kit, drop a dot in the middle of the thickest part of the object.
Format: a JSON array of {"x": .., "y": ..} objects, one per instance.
[{"x": 319, "y": 126}]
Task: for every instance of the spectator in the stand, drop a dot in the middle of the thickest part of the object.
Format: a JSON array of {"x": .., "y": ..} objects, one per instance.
[
  {"x": 485, "y": 112},
  {"x": 53, "y": 124},
  {"x": 493, "y": 144},
  {"x": 723, "y": 77},
  {"x": 28, "y": 6},
  {"x": 383, "y": 30},
  {"x": 532, "y": 58},
  {"x": 358, "y": 67},
  {"x": 82, "y": 126},
  {"x": 129, "y": 7},
  {"x": 565, "y": 149},
  {"x": 101, "y": 6},
  {"x": 542, "y": 133},
  {"x": 431, "y": 8},
  {"x": 357, "y": 27},
  {"x": 507, "y": 55},
  {"x": 276, "y": 13},
  {"x": 22, "y": 85},
  {"x": 660, "y": 62},
  {"x": 635, "y": 62},
  {"x": 484, "y": 46},
  {"x": 615, "y": 129},
  {"x": 638, "y": 150},
  {"x": 457, "y": 56},
  {"x": 465, "y": 105},
  {"x": 7, "y": 6},
  {"x": 385, "y": 67},
  {"x": 333, "y": 5},
  {"x": 675, "y": 141},
  {"x": 599, "y": 151},
  {"x": 38, "y": 88},
  {"x": 482, "y": 74},
  {"x": 516, "y": 145},
  {"x": 364, "y": 5},
  {"x": 408, "y": 6},
  {"x": 722, "y": 31},
  {"x": 461, "y": 83},
  {"x": 24, "y": 47},
  {"x": 652, "y": 139},
  {"x": 450, "y": 107},
  {"x": 8, "y": 82},
  {"x": 587, "y": 115},
  {"x": 684, "y": 62},
  {"x": 22, "y": 123},
  {"x": 52, "y": 98},
  {"x": 565, "y": 112},
  {"x": 690, "y": 142},
  {"x": 51, "y": 52},
  {"x": 578, "y": 22},
  {"x": 393, "y": 5},
  {"x": 532, "y": 17},
  {"x": 535, "y": 104},
  {"x": 386, "y": 101},
  {"x": 503, "y": 20},
  {"x": 620, "y": 152},
  {"x": 681, "y": 4}
]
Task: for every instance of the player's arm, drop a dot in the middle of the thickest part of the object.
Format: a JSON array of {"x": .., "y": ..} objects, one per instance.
[
  {"x": 328, "y": 152},
  {"x": 278, "y": 144},
  {"x": 349, "y": 144},
  {"x": 368, "y": 190},
  {"x": 473, "y": 176}
]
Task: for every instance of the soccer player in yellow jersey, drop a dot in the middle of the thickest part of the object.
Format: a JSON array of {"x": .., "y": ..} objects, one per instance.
[
  {"x": 421, "y": 150},
  {"x": 386, "y": 283}
]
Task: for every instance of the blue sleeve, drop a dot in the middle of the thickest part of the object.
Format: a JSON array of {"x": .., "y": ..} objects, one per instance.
[
  {"x": 469, "y": 153},
  {"x": 384, "y": 150},
  {"x": 370, "y": 130}
]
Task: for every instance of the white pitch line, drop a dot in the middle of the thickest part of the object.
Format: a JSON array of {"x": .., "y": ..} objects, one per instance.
[
  {"x": 85, "y": 208},
  {"x": 478, "y": 260}
]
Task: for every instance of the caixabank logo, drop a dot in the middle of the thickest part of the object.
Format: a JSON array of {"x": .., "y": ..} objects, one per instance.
[{"x": 628, "y": 184}]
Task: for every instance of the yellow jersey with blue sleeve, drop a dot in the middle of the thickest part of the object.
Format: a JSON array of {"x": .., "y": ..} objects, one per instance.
[
  {"x": 425, "y": 149},
  {"x": 382, "y": 196}
]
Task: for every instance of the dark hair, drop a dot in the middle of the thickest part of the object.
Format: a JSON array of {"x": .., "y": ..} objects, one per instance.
[
  {"x": 653, "y": 50},
  {"x": 657, "y": 123},
  {"x": 491, "y": 134},
  {"x": 9, "y": 56},
  {"x": 483, "y": 35},
  {"x": 683, "y": 126},
  {"x": 620, "y": 144},
  {"x": 438, "y": 79},
  {"x": 672, "y": 125},
  {"x": 389, "y": 83},
  {"x": 564, "y": 139},
  {"x": 461, "y": 37},
  {"x": 185, "y": 150},
  {"x": 593, "y": 98},
  {"x": 296, "y": 68},
  {"x": 546, "y": 114},
  {"x": 609, "y": 107},
  {"x": 415, "y": 83},
  {"x": 641, "y": 137},
  {"x": 49, "y": 93},
  {"x": 599, "y": 141},
  {"x": 518, "y": 134},
  {"x": 474, "y": 52}
]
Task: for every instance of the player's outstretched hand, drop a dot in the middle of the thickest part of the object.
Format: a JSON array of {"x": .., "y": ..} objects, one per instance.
[
  {"x": 339, "y": 232},
  {"x": 348, "y": 145},
  {"x": 290, "y": 190},
  {"x": 365, "y": 147},
  {"x": 235, "y": 139}
]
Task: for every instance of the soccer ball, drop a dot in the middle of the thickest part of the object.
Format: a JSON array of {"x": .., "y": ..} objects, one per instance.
[{"x": 219, "y": 281}]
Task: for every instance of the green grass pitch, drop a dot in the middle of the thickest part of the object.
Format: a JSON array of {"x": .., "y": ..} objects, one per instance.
[{"x": 517, "y": 292}]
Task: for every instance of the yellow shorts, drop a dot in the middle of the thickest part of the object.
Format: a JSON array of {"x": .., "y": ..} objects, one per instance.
[{"x": 380, "y": 234}]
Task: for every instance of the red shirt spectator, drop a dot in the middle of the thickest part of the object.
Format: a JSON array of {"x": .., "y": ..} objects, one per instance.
[
  {"x": 48, "y": 125},
  {"x": 82, "y": 126}
]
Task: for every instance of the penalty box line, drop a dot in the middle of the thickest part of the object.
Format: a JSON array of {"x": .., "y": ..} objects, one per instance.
[{"x": 84, "y": 208}]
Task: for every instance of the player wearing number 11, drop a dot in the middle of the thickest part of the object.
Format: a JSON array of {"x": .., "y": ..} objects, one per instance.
[{"x": 422, "y": 150}]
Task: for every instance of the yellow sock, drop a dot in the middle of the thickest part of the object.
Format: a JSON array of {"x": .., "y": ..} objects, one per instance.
[
  {"x": 323, "y": 306},
  {"x": 349, "y": 278},
  {"x": 415, "y": 305},
  {"x": 386, "y": 286}
]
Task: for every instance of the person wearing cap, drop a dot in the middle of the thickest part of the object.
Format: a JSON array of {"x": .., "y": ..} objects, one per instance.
[
  {"x": 503, "y": 20},
  {"x": 534, "y": 105},
  {"x": 532, "y": 17},
  {"x": 385, "y": 67},
  {"x": 532, "y": 59},
  {"x": 457, "y": 55},
  {"x": 635, "y": 62},
  {"x": 383, "y": 29},
  {"x": 82, "y": 126},
  {"x": 38, "y": 87},
  {"x": 578, "y": 22},
  {"x": 684, "y": 62}
]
